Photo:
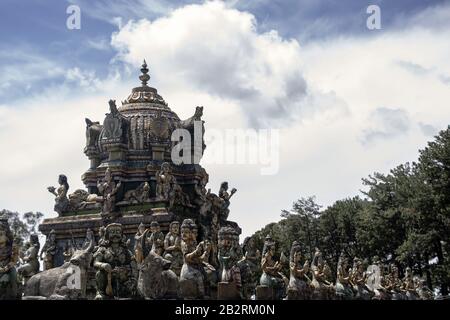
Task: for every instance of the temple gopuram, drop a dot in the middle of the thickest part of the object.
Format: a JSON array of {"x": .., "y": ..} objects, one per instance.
[{"x": 132, "y": 179}]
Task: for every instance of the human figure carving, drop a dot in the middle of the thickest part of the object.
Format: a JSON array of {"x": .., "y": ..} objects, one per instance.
[{"x": 61, "y": 200}]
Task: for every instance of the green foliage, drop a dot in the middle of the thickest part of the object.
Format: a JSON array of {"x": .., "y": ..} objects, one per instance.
[
  {"x": 24, "y": 225},
  {"x": 404, "y": 218}
]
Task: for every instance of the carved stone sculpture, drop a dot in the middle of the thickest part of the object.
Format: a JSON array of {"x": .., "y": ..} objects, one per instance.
[
  {"x": 299, "y": 283},
  {"x": 154, "y": 240},
  {"x": 423, "y": 291},
  {"x": 49, "y": 250},
  {"x": 68, "y": 281},
  {"x": 272, "y": 277},
  {"x": 8, "y": 276},
  {"x": 225, "y": 196},
  {"x": 30, "y": 260},
  {"x": 343, "y": 286},
  {"x": 250, "y": 266},
  {"x": 193, "y": 276},
  {"x": 108, "y": 189},
  {"x": 61, "y": 200},
  {"x": 114, "y": 277},
  {"x": 409, "y": 285},
  {"x": 164, "y": 180},
  {"x": 229, "y": 254},
  {"x": 113, "y": 123},
  {"x": 395, "y": 284},
  {"x": 172, "y": 247},
  {"x": 320, "y": 285},
  {"x": 138, "y": 251},
  {"x": 358, "y": 278},
  {"x": 140, "y": 194}
]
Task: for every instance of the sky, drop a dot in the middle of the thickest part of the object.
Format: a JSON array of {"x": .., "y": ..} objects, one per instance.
[{"x": 345, "y": 100}]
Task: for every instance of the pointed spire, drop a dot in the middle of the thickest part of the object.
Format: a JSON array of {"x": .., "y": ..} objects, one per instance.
[{"x": 144, "y": 77}]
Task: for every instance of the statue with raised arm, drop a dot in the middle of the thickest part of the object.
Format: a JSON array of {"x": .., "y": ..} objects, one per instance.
[
  {"x": 155, "y": 239},
  {"x": 299, "y": 282},
  {"x": 172, "y": 247},
  {"x": 49, "y": 250},
  {"x": 320, "y": 285},
  {"x": 61, "y": 199},
  {"x": 395, "y": 284},
  {"x": 225, "y": 196},
  {"x": 343, "y": 283},
  {"x": 359, "y": 278},
  {"x": 271, "y": 271}
]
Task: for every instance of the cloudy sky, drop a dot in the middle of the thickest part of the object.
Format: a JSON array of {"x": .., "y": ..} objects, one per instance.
[{"x": 347, "y": 101}]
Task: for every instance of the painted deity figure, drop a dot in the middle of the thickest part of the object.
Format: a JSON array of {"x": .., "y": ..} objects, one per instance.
[
  {"x": 193, "y": 276},
  {"x": 108, "y": 189},
  {"x": 250, "y": 266},
  {"x": 8, "y": 275},
  {"x": 271, "y": 271},
  {"x": 229, "y": 253},
  {"x": 423, "y": 291},
  {"x": 30, "y": 260},
  {"x": 320, "y": 285},
  {"x": 358, "y": 278},
  {"x": 299, "y": 283},
  {"x": 343, "y": 283},
  {"x": 395, "y": 284},
  {"x": 49, "y": 250},
  {"x": 409, "y": 285},
  {"x": 164, "y": 180},
  {"x": 155, "y": 240},
  {"x": 172, "y": 247},
  {"x": 114, "y": 277},
  {"x": 138, "y": 250},
  {"x": 61, "y": 199}
]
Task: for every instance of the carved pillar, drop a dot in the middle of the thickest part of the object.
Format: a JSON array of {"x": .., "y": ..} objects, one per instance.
[
  {"x": 93, "y": 156},
  {"x": 158, "y": 152}
]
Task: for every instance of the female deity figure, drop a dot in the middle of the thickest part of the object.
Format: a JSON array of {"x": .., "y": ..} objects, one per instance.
[
  {"x": 410, "y": 285},
  {"x": 138, "y": 251},
  {"x": 250, "y": 267},
  {"x": 319, "y": 283},
  {"x": 49, "y": 249},
  {"x": 395, "y": 284},
  {"x": 358, "y": 278},
  {"x": 156, "y": 239},
  {"x": 30, "y": 260},
  {"x": 272, "y": 276},
  {"x": 193, "y": 277},
  {"x": 108, "y": 189},
  {"x": 343, "y": 284},
  {"x": 61, "y": 200},
  {"x": 172, "y": 247},
  {"x": 298, "y": 288},
  {"x": 164, "y": 180}
]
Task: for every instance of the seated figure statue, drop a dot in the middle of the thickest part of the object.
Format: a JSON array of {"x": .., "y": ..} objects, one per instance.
[
  {"x": 30, "y": 260},
  {"x": 114, "y": 277},
  {"x": 343, "y": 287},
  {"x": 321, "y": 287},
  {"x": 358, "y": 278},
  {"x": 172, "y": 247},
  {"x": 8, "y": 276},
  {"x": 250, "y": 267},
  {"x": 410, "y": 285},
  {"x": 61, "y": 199},
  {"x": 193, "y": 275},
  {"x": 299, "y": 283},
  {"x": 271, "y": 277},
  {"x": 395, "y": 284},
  {"x": 229, "y": 253}
]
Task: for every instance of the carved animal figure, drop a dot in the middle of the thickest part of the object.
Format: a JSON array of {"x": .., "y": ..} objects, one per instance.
[
  {"x": 156, "y": 280},
  {"x": 54, "y": 283}
]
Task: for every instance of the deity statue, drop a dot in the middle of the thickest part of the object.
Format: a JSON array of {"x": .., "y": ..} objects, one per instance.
[
  {"x": 376, "y": 280},
  {"x": 321, "y": 287},
  {"x": 343, "y": 283},
  {"x": 229, "y": 253},
  {"x": 225, "y": 196},
  {"x": 423, "y": 291},
  {"x": 177, "y": 196},
  {"x": 299, "y": 283},
  {"x": 409, "y": 285},
  {"x": 30, "y": 260},
  {"x": 201, "y": 195},
  {"x": 250, "y": 267},
  {"x": 108, "y": 189},
  {"x": 395, "y": 284},
  {"x": 272, "y": 276},
  {"x": 138, "y": 251},
  {"x": 68, "y": 251},
  {"x": 114, "y": 277},
  {"x": 140, "y": 195},
  {"x": 61, "y": 200},
  {"x": 172, "y": 247},
  {"x": 8, "y": 276},
  {"x": 155, "y": 241},
  {"x": 194, "y": 272},
  {"x": 49, "y": 250},
  {"x": 164, "y": 180},
  {"x": 358, "y": 278}
]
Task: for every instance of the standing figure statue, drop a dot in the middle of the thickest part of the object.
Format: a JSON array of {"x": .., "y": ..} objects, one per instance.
[
  {"x": 108, "y": 189},
  {"x": 138, "y": 251},
  {"x": 8, "y": 276},
  {"x": 155, "y": 241},
  {"x": 272, "y": 276},
  {"x": 114, "y": 277},
  {"x": 409, "y": 285},
  {"x": 343, "y": 283},
  {"x": 49, "y": 251},
  {"x": 321, "y": 287},
  {"x": 30, "y": 260},
  {"x": 164, "y": 181},
  {"x": 193, "y": 276},
  {"x": 229, "y": 253},
  {"x": 172, "y": 247},
  {"x": 395, "y": 284},
  {"x": 61, "y": 199},
  {"x": 299, "y": 283},
  {"x": 225, "y": 196},
  {"x": 359, "y": 278},
  {"x": 250, "y": 266}
]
